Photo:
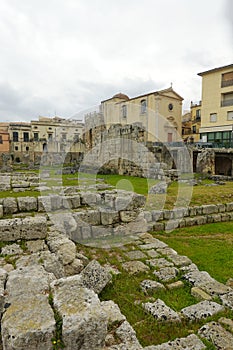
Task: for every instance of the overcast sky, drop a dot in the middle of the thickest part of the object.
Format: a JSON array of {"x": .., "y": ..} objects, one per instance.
[{"x": 64, "y": 56}]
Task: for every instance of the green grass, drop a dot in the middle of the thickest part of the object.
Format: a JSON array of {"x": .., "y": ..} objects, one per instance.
[{"x": 209, "y": 246}]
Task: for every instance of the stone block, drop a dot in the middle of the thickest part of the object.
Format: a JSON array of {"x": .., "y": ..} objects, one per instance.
[
  {"x": 10, "y": 206},
  {"x": 92, "y": 217},
  {"x": 100, "y": 231},
  {"x": 166, "y": 274},
  {"x": 128, "y": 215},
  {"x": 62, "y": 246},
  {"x": 171, "y": 225},
  {"x": 221, "y": 207},
  {"x": 175, "y": 285},
  {"x": 158, "y": 226},
  {"x": 209, "y": 209},
  {"x": 168, "y": 214},
  {"x": 95, "y": 277},
  {"x": 201, "y": 220},
  {"x": 84, "y": 323},
  {"x": 229, "y": 206},
  {"x": 201, "y": 310},
  {"x": 150, "y": 286},
  {"x": 27, "y": 203},
  {"x": 190, "y": 221},
  {"x": 73, "y": 202},
  {"x": 161, "y": 311},
  {"x": 109, "y": 217},
  {"x": 135, "y": 267},
  {"x": 200, "y": 294},
  {"x": 217, "y": 335},
  {"x": 157, "y": 215},
  {"x": 190, "y": 342},
  {"x": 147, "y": 216}
]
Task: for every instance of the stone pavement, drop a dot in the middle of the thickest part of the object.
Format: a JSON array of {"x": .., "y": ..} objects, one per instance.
[{"x": 52, "y": 284}]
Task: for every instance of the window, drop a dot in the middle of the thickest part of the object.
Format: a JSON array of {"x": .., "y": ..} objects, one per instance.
[
  {"x": 230, "y": 115},
  {"x": 194, "y": 129},
  {"x": 143, "y": 106},
  {"x": 26, "y": 136},
  {"x": 1, "y": 139},
  {"x": 227, "y": 99},
  {"x": 227, "y": 79},
  {"x": 16, "y": 148},
  {"x": 63, "y": 137},
  {"x": 198, "y": 114},
  {"x": 124, "y": 111},
  {"x": 50, "y": 137},
  {"x": 27, "y": 148},
  {"x": 15, "y": 136},
  {"x": 36, "y": 136},
  {"x": 213, "y": 117}
]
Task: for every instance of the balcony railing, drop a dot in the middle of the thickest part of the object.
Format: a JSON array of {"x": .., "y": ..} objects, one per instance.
[
  {"x": 226, "y": 103},
  {"x": 226, "y": 83}
]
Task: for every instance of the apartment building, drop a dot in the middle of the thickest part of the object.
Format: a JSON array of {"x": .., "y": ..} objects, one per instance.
[{"x": 217, "y": 105}]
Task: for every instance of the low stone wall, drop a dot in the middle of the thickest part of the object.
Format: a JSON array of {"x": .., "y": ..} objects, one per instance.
[
  {"x": 159, "y": 220},
  {"x": 18, "y": 180}
]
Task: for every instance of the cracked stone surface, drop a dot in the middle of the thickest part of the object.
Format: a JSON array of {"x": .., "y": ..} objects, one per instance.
[
  {"x": 134, "y": 267},
  {"x": 227, "y": 299},
  {"x": 159, "y": 263},
  {"x": 135, "y": 254}
]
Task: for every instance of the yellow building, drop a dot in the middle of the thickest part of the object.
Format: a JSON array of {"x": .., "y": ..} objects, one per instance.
[
  {"x": 158, "y": 112},
  {"x": 195, "y": 110},
  {"x": 217, "y": 105}
]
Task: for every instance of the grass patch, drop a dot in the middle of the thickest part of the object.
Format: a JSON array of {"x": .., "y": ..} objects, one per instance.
[{"x": 209, "y": 246}]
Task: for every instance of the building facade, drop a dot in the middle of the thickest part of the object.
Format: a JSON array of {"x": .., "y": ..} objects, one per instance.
[
  {"x": 47, "y": 137},
  {"x": 4, "y": 138},
  {"x": 159, "y": 113},
  {"x": 217, "y": 106}
]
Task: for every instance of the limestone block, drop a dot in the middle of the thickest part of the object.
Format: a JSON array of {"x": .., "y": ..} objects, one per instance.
[
  {"x": 5, "y": 182},
  {"x": 92, "y": 217},
  {"x": 150, "y": 286},
  {"x": 128, "y": 215},
  {"x": 3, "y": 277},
  {"x": 158, "y": 226},
  {"x": 135, "y": 267},
  {"x": 166, "y": 274},
  {"x": 227, "y": 299},
  {"x": 180, "y": 260},
  {"x": 12, "y": 249},
  {"x": 203, "y": 309},
  {"x": 1, "y": 211},
  {"x": 214, "y": 218},
  {"x": 84, "y": 319},
  {"x": 229, "y": 206},
  {"x": 221, "y": 207},
  {"x": 10, "y": 206},
  {"x": 95, "y": 277},
  {"x": 74, "y": 201},
  {"x": 209, "y": 209},
  {"x": 161, "y": 311},
  {"x": 135, "y": 255},
  {"x": 200, "y": 294},
  {"x": 62, "y": 246},
  {"x": 147, "y": 216},
  {"x": 28, "y": 318},
  {"x": 27, "y": 228},
  {"x": 190, "y": 221},
  {"x": 191, "y": 342},
  {"x": 217, "y": 335},
  {"x": 27, "y": 203},
  {"x": 157, "y": 215},
  {"x": 113, "y": 312},
  {"x": 159, "y": 263},
  {"x": 74, "y": 268},
  {"x": 154, "y": 245},
  {"x": 172, "y": 225},
  {"x": 109, "y": 217},
  {"x": 100, "y": 231},
  {"x": 175, "y": 285},
  {"x": 127, "y": 335}
]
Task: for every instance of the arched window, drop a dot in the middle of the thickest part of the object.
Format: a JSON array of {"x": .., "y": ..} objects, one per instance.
[
  {"x": 124, "y": 111},
  {"x": 143, "y": 106}
]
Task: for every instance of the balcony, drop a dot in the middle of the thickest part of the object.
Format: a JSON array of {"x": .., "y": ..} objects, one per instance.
[
  {"x": 226, "y": 103},
  {"x": 226, "y": 83}
]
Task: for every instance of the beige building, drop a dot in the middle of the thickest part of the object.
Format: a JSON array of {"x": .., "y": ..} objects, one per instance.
[
  {"x": 27, "y": 142},
  {"x": 159, "y": 113},
  {"x": 217, "y": 105}
]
